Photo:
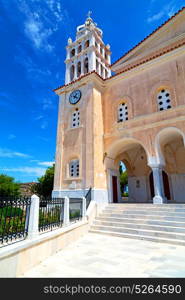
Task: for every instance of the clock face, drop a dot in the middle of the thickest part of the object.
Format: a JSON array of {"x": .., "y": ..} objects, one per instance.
[{"x": 75, "y": 96}]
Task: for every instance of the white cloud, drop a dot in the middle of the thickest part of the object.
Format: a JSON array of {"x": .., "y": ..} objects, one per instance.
[
  {"x": 46, "y": 163},
  {"x": 166, "y": 11},
  {"x": 41, "y": 19},
  {"x": 11, "y": 136},
  {"x": 39, "y": 35},
  {"x": 9, "y": 153},
  {"x": 44, "y": 125},
  {"x": 156, "y": 17},
  {"x": 47, "y": 103},
  {"x": 29, "y": 170},
  {"x": 34, "y": 160},
  {"x": 43, "y": 138},
  {"x": 39, "y": 118}
]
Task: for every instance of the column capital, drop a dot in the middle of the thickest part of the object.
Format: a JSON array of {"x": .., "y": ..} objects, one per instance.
[{"x": 156, "y": 166}]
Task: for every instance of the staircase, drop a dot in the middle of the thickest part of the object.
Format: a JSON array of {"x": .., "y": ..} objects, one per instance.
[{"x": 158, "y": 223}]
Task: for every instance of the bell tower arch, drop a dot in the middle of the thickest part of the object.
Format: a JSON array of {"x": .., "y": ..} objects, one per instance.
[{"x": 87, "y": 52}]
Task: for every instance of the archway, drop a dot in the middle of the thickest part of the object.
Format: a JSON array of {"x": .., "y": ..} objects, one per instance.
[
  {"x": 133, "y": 155},
  {"x": 171, "y": 154}
]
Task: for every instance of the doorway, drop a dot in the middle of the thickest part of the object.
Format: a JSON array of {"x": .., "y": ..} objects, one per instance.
[
  {"x": 115, "y": 189},
  {"x": 165, "y": 184}
]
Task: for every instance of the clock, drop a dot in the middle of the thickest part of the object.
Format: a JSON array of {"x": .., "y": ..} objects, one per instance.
[{"x": 75, "y": 96}]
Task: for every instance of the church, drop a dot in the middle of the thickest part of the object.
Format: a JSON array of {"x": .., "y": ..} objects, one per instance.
[{"x": 131, "y": 111}]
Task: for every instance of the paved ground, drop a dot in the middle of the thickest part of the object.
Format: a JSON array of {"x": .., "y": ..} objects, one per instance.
[{"x": 97, "y": 255}]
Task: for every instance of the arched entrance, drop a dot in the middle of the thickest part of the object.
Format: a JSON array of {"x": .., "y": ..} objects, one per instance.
[
  {"x": 165, "y": 184},
  {"x": 171, "y": 154},
  {"x": 133, "y": 155}
]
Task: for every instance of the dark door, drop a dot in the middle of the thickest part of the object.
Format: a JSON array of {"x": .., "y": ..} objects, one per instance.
[
  {"x": 114, "y": 189},
  {"x": 151, "y": 184},
  {"x": 165, "y": 184}
]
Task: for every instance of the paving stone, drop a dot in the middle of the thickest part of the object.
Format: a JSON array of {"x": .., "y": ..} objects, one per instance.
[{"x": 84, "y": 259}]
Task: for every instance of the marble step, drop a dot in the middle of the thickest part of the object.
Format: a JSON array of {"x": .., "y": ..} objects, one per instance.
[
  {"x": 146, "y": 204},
  {"x": 154, "y": 209},
  {"x": 145, "y": 212},
  {"x": 140, "y": 237},
  {"x": 140, "y": 226},
  {"x": 144, "y": 216},
  {"x": 141, "y": 232},
  {"x": 143, "y": 221}
]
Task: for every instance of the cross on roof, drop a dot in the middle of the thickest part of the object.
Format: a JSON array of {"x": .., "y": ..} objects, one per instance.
[{"x": 89, "y": 13}]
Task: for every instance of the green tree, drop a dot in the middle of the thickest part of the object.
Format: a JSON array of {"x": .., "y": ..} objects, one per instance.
[
  {"x": 44, "y": 186},
  {"x": 8, "y": 187},
  {"x": 123, "y": 180}
]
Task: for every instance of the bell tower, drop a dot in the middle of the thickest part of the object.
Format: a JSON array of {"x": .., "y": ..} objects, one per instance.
[
  {"x": 80, "y": 146},
  {"x": 87, "y": 53}
]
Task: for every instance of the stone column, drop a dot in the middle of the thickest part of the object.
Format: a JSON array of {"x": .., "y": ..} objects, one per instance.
[
  {"x": 82, "y": 65},
  {"x": 92, "y": 41},
  {"x": 75, "y": 71},
  {"x": 92, "y": 61},
  {"x": 33, "y": 225},
  {"x": 159, "y": 197},
  {"x": 66, "y": 211},
  {"x": 84, "y": 208},
  {"x": 99, "y": 68},
  {"x": 67, "y": 75}
]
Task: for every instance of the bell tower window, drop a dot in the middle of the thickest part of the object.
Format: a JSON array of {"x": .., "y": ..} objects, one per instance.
[
  {"x": 86, "y": 65},
  {"x": 79, "y": 69},
  {"x": 72, "y": 72},
  {"x": 79, "y": 48},
  {"x": 164, "y": 99},
  {"x": 72, "y": 52},
  {"x": 87, "y": 44}
]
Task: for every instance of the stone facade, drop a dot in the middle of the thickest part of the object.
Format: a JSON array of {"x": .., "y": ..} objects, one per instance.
[{"x": 136, "y": 116}]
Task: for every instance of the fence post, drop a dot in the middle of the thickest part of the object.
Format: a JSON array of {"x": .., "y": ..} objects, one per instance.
[
  {"x": 83, "y": 208},
  {"x": 33, "y": 226},
  {"x": 66, "y": 211}
]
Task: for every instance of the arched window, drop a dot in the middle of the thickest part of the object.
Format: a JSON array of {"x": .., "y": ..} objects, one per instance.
[
  {"x": 97, "y": 66},
  {"x": 79, "y": 48},
  {"x": 106, "y": 73},
  {"x": 79, "y": 69},
  {"x": 122, "y": 112},
  {"x": 86, "y": 65},
  {"x": 74, "y": 168},
  {"x": 72, "y": 52},
  {"x": 164, "y": 99},
  {"x": 96, "y": 45},
  {"x": 75, "y": 120},
  {"x": 87, "y": 44},
  {"x": 72, "y": 72},
  {"x": 101, "y": 71}
]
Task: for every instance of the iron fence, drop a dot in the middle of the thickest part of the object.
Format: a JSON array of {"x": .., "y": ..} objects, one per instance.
[
  {"x": 14, "y": 218},
  {"x": 51, "y": 214}
]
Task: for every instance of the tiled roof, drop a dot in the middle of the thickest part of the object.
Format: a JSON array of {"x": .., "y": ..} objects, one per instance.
[
  {"x": 183, "y": 8},
  {"x": 150, "y": 57},
  {"x": 141, "y": 61},
  {"x": 64, "y": 85}
]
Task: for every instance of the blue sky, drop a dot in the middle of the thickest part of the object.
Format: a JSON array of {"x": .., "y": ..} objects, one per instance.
[{"x": 34, "y": 34}]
